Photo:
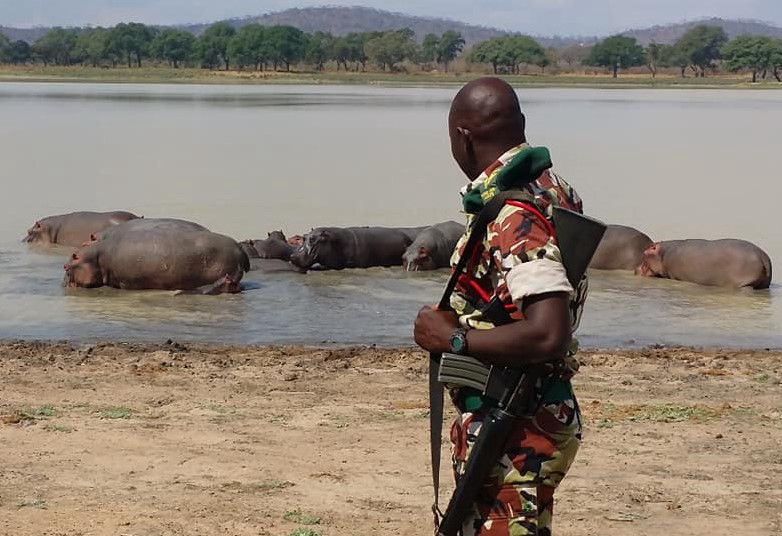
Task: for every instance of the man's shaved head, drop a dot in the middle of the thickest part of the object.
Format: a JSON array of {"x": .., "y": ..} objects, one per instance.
[{"x": 484, "y": 122}]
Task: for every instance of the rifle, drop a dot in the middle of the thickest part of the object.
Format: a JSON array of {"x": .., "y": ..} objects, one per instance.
[{"x": 513, "y": 388}]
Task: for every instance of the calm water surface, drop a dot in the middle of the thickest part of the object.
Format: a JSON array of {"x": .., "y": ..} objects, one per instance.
[{"x": 245, "y": 160}]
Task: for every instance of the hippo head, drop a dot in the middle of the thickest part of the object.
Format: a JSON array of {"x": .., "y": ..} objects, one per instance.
[
  {"x": 418, "y": 259},
  {"x": 652, "y": 265},
  {"x": 277, "y": 235},
  {"x": 321, "y": 246},
  {"x": 248, "y": 246},
  {"x": 82, "y": 270},
  {"x": 40, "y": 232}
]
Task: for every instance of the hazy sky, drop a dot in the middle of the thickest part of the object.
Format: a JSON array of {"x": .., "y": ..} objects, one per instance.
[{"x": 540, "y": 17}]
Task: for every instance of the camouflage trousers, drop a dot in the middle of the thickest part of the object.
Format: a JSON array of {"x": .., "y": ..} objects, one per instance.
[{"x": 518, "y": 498}]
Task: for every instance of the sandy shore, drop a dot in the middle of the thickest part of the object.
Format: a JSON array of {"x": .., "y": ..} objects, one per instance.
[{"x": 128, "y": 439}]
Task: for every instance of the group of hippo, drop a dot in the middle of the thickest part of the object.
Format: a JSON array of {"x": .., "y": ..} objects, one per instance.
[
  {"x": 721, "y": 263},
  {"x": 125, "y": 251}
]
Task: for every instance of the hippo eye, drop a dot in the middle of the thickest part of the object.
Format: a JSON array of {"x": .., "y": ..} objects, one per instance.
[{"x": 38, "y": 225}]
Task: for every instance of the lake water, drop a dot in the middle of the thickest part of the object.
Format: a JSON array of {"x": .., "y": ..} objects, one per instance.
[{"x": 244, "y": 160}]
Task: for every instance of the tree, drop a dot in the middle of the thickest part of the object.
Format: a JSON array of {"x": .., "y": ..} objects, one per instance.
[
  {"x": 390, "y": 48},
  {"x": 320, "y": 49},
  {"x": 212, "y": 45},
  {"x": 175, "y": 46},
  {"x": 776, "y": 59},
  {"x": 449, "y": 46},
  {"x": 56, "y": 46},
  {"x": 673, "y": 56},
  {"x": 92, "y": 46},
  {"x": 19, "y": 52},
  {"x": 131, "y": 40},
  {"x": 617, "y": 52},
  {"x": 574, "y": 54},
  {"x": 250, "y": 47},
  {"x": 653, "y": 55},
  {"x": 5, "y": 48},
  {"x": 701, "y": 47},
  {"x": 749, "y": 52},
  {"x": 286, "y": 44},
  {"x": 492, "y": 51},
  {"x": 427, "y": 52}
]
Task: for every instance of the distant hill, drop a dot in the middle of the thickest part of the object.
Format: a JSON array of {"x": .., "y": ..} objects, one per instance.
[
  {"x": 669, "y": 33},
  {"x": 25, "y": 34},
  {"x": 344, "y": 20}
]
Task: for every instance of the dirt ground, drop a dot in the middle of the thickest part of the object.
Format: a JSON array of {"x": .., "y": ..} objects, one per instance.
[{"x": 148, "y": 440}]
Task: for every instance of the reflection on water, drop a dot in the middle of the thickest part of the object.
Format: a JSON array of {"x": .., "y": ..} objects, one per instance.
[{"x": 244, "y": 160}]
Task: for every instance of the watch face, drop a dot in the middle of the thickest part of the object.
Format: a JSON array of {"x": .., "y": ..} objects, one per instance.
[{"x": 457, "y": 343}]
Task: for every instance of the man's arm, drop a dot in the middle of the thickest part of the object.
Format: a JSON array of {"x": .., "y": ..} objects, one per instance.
[{"x": 543, "y": 335}]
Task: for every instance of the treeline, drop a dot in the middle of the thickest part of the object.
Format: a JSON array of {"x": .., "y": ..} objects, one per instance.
[
  {"x": 701, "y": 50},
  {"x": 221, "y": 46}
]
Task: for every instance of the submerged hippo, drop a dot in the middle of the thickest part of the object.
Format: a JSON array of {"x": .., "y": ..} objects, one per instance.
[
  {"x": 275, "y": 246},
  {"x": 622, "y": 248},
  {"x": 75, "y": 228},
  {"x": 164, "y": 255},
  {"x": 722, "y": 263},
  {"x": 432, "y": 249},
  {"x": 336, "y": 248}
]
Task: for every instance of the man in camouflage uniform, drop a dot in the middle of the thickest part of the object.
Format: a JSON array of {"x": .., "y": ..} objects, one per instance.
[{"x": 519, "y": 268}]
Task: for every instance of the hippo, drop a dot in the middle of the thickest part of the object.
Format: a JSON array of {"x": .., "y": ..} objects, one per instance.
[
  {"x": 145, "y": 224},
  {"x": 722, "y": 263},
  {"x": 336, "y": 248},
  {"x": 75, "y": 228},
  {"x": 275, "y": 246},
  {"x": 163, "y": 255},
  {"x": 622, "y": 248},
  {"x": 432, "y": 249}
]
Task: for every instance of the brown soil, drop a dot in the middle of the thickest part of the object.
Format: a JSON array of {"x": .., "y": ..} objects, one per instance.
[{"x": 127, "y": 439}]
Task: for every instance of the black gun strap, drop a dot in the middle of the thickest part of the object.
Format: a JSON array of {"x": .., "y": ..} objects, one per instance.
[{"x": 436, "y": 390}]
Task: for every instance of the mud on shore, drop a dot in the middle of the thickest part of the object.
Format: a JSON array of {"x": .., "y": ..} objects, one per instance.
[{"x": 181, "y": 439}]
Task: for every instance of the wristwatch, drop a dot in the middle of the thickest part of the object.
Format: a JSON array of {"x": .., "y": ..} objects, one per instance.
[{"x": 459, "y": 342}]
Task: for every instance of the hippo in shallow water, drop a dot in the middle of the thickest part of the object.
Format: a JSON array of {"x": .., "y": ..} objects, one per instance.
[
  {"x": 336, "y": 248},
  {"x": 146, "y": 224},
  {"x": 622, "y": 248},
  {"x": 432, "y": 249},
  {"x": 275, "y": 246},
  {"x": 722, "y": 263},
  {"x": 164, "y": 255},
  {"x": 75, "y": 228}
]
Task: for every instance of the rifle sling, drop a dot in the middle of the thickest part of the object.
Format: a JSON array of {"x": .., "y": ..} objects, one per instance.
[{"x": 436, "y": 389}]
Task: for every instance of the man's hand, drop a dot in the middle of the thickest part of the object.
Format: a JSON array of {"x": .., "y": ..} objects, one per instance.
[{"x": 433, "y": 329}]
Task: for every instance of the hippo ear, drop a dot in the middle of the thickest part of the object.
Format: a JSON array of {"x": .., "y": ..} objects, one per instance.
[{"x": 325, "y": 235}]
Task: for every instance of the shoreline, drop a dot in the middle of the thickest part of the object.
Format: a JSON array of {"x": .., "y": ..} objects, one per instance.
[
  {"x": 151, "y": 75},
  {"x": 131, "y": 438}
]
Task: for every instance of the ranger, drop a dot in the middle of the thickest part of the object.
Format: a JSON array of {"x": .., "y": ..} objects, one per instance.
[{"x": 514, "y": 306}]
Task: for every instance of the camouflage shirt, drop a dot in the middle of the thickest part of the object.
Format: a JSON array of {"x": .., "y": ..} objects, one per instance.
[{"x": 519, "y": 256}]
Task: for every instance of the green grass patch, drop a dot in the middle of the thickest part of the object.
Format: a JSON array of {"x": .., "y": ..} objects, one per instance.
[
  {"x": 116, "y": 412},
  {"x": 33, "y": 503},
  {"x": 762, "y": 378},
  {"x": 301, "y": 518},
  {"x": 45, "y": 411},
  {"x": 673, "y": 413}
]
